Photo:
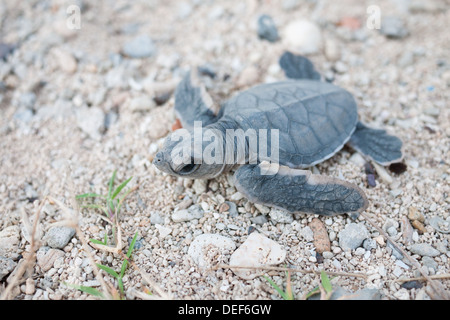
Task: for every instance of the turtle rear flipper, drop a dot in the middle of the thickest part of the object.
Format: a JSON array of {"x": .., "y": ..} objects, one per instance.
[
  {"x": 193, "y": 103},
  {"x": 298, "y": 67},
  {"x": 297, "y": 190},
  {"x": 376, "y": 144}
]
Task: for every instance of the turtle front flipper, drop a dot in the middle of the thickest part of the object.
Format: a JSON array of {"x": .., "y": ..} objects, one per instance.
[
  {"x": 298, "y": 67},
  {"x": 299, "y": 190},
  {"x": 376, "y": 144},
  {"x": 193, "y": 103}
]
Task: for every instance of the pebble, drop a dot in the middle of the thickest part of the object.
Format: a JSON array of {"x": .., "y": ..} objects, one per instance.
[
  {"x": 248, "y": 77},
  {"x": 30, "y": 287},
  {"x": 332, "y": 50},
  {"x": 352, "y": 236},
  {"x": 340, "y": 67},
  {"x": 65, "y": 59},
  {"x": 415, "y": 214},
  {"x": 91, "y": 121},
  {"x": 419, "y": 226},
  {"x": 163, "y": 231},
  {"x": 7, "y": 265},
  {"x": 236, "y": 196},
  {"x": 430, "y": 263},
  {"x": 424, "y": 249},
  {"x": 280, "y": 216},
  {"x": 200, "y": 186},
  {"x": 257, "y": 250},
  {"x": 303, "y": 37},
  {"x": 393, "y": 27},
  {"x": 289, "y": 5},
  {"x": 46, "y": 257},
  {"x": 263, "y": 209},
  {"x": 193, "y": 212},
  {"x": 357, "y": 159},
  {"x": 259, "y": 220},
  {"x": 184, "y": 10},
  {"x": 9, "y": 240},
  {"x": 58, "y": 237},
  {"x": 141, "y": 104},
  {"x": 196, "y": 248},
  {"x": 407, "y": 230},
  {"x": 397, "y": 254},
  {"x": 156, "y": 218},
  {"x": 307, "y": 234},
  {"x": 267, "y": 29},
  {"x": 140, "y": 47},
  {"x": 383, "y": 174},
  {"x": 390, "y": 226},
  {"x": 321, "y": 239},
  {"x": 439, "y": 224}
]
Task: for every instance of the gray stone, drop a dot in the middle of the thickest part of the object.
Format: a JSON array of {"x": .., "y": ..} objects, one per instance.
[
  {"x": 369, "y": 244},
  {"x": 193, "y": 212},
  {"x": 352, "y": 236},
  {"x": 424, "y": 249},
  {"x": 395, "y": 252},
  {"x": 430, "y": 263},
  {"x": 259, "y": 220},
  {"x": 267, "y": 29},
  {"x": 393, "y": 27},
  {"x": 9, "y": 240},
  {"x": 140, "y": 47},
  {"x": 58, "y": 237},
  {"x": 281, "y": 216},
  {"x": 156, "y": 218},
  {"x": 91, "y": 121},
  {"x": 7, "y": 265},
  {"x": 440, "y": 224}
]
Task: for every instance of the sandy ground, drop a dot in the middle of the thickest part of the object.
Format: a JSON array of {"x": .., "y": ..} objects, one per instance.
[{"x": 70, "y": 116}]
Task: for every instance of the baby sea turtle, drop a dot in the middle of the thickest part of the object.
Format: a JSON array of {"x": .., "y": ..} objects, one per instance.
[{"x": 313, "y": 119}]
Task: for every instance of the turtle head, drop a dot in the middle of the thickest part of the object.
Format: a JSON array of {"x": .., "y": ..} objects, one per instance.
[{"x": 187, "y": 155}]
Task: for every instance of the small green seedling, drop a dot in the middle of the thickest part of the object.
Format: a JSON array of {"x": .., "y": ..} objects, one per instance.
[
  {"x": 111, "y": 272},
  {"x": 325, "y": 288},
  {"x": 112, "y": 205},
  {"x": 286, "y": 295}
]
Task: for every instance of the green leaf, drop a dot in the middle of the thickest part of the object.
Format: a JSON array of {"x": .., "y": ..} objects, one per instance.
[
  {"x": 111, "y": 183},
  {"x": 120, "y": 286},
  {"x": 97, "y": 241},
  {"x": 119, "y": 188},
  {"x": 314, "y": 291},
  {"x": 89, "y": 290},
  {"x": 89, "y": 195},
  {"x": 123, "y": 197},
  {"x": 283, "y": 294},
  {"x": 108, "y": 270},
  {"x": 130, "y": 250},
  {"x": 326, "y": 284}
]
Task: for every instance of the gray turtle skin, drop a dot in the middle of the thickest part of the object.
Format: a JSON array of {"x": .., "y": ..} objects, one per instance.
[{"x": 314, "y": 120}]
